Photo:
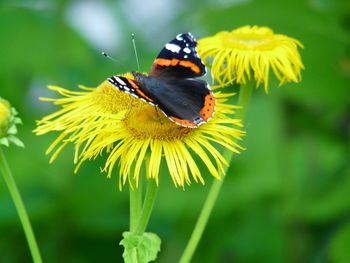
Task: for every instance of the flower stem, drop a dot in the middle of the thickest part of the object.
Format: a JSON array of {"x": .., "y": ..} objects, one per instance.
[
  {"x": 243, "y": 101},
  {"x": 135, "y": 204},
  {"x": 150, "y": 197},
  {"x": 245, "y": 93},
  {"x": 16, "y": 197}
]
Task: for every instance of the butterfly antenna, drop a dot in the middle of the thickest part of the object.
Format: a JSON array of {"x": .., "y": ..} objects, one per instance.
[
  {"x": 113, "y": 59},
  {"x": 136, "y": 56},
  {"x": 108, "y": 56}
]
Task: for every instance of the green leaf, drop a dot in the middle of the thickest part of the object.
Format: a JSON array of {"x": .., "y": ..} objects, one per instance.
[{"x": 140, "y": 248}]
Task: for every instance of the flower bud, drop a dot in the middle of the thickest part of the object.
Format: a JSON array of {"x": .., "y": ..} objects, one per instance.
[
  {"x": 5, "y": 117},
  {"x": 8, "y": 121}
]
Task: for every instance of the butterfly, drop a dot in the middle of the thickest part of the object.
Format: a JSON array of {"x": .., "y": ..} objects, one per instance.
[{"x": 172, "y": 84}]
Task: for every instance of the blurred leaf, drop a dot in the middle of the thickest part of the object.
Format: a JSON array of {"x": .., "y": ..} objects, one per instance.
[{"x": 332, "y": 202}]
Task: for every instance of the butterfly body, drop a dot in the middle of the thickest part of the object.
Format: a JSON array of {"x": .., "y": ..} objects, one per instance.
[{"x": 172, "y": 84}]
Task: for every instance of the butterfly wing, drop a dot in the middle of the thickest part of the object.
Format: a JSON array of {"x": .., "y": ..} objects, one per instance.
[
  {"x": 187, "y": 102},
  {"x": 179, "y": 59},
  {"x": 171, "y": 85},
  {"x": 132, "y": 87}
]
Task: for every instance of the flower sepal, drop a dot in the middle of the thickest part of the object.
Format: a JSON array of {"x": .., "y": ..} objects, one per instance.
[{"x": 140, "y": 248}]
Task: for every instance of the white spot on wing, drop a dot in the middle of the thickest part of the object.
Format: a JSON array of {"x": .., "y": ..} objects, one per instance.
[
  {"x": 196, "y": 53},
  {"x": 173, "y": 47},
  {"x": 120, "y": 81},
  {"x": 179, "y": 37},
  {"x": 187, "y": 50},
  {"x": 197, "y": 120},
  {"x": 207, "y": 86}
]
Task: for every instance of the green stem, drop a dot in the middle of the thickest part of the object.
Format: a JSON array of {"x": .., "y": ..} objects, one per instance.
[
  {"x": 135, "y": 204},
  {"x": 16, "y": 197},
  {"x": 243, "y": 101},
  {"x": 245, "y": 93},
  {"x": 150, "y": 197}
]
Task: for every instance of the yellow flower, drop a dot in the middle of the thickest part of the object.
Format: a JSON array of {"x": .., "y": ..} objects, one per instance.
[
  {"x": 246, "y": 51},
  {"x": 100, "y": 121}
]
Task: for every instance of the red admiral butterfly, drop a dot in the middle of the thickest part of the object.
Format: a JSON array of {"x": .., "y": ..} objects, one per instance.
[{"x": 172, "y": 84}]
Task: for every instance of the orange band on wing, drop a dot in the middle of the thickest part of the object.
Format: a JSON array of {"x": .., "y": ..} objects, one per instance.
[
  {"x": 206, "y": 113},
  {"x": 137, "y": 89},
  {"x": 209, "y": 107},
  {"x": 175, "y": 62},
  {"x": 185, "y": 123},
  {"x": 191, "y": 65}
]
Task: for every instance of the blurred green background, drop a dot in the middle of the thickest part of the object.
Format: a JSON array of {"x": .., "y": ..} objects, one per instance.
[{"x": 285, "y": 199}]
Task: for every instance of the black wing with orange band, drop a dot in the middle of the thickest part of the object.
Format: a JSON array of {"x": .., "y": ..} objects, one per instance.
[
  {"x": 179, "y": 59},
  {"x": 132, "y": 87},
  {"x": 187, "y": 102}
]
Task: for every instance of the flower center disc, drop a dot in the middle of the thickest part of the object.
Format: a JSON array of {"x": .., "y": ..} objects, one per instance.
[
  {"x": 248, "y": 38},
  {"x": 146, "y": 122},
  {"x": 245, "y": 41},
  {"x": 110, "y": 99}
]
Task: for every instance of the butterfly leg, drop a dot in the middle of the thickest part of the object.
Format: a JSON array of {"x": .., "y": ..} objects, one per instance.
[
  {"x": 158, "y": 116},
  {"x": 130, "y": 107}
]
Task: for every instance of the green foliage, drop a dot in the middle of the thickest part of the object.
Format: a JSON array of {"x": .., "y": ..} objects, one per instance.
[
  {"x": 339, "y": 247},
  {"x": 140, "y": 248}
]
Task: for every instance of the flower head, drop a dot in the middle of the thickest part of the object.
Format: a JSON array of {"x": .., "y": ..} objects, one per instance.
[
  {"x": 8, "y": 121},
  {"x": 251, "y": 50},
  {"x": 131, "y": 132}
]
